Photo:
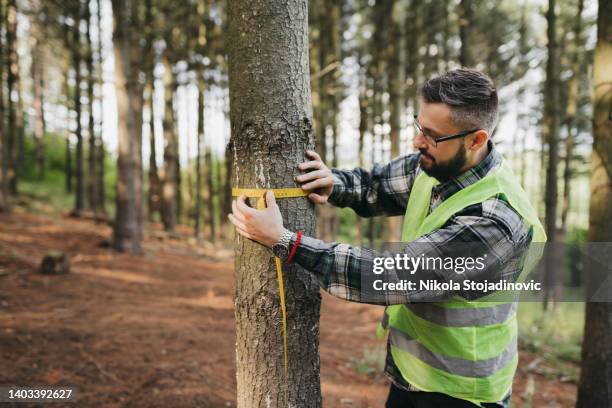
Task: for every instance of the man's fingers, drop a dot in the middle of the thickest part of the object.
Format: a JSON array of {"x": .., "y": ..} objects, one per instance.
[
  {"x": 312, "y": 175},
  {"x": 313, "y": 154},
  {"x": 237, "y": 223},
  {"x": 244, "y": 208},
  {"x": 324, "y": 182},
  {"x": 270, "y": 199},
  {"x": 236, "y": 212},
  {"x": 310, "y": 165},
  {"x": 317, "y": 199}
]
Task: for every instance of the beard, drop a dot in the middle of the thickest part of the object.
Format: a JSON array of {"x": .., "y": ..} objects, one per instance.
[{"x": 444, "y": 171}]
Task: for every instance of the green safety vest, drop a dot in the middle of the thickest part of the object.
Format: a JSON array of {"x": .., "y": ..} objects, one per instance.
[{"x": 465, "y": 349}]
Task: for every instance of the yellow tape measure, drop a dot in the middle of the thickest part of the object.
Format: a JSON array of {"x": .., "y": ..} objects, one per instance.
[{"x": 261, "y": 204}]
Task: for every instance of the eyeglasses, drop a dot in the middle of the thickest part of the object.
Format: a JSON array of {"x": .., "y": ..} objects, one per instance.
[{"x": 433, "y": 141}]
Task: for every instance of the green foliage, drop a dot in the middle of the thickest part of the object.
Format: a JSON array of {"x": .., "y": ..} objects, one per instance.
[
  {"x": 51, "y": 189},
  {"x": 554, "y": 335},
  {"x": 371, "y": 362}
]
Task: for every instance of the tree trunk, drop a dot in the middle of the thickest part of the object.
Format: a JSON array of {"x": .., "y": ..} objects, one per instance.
[
  {"x": 209, "y": 166},
  {"x": 39, "y": 114},
  {"x": 4, "y": 190},
  {"x": 570, "y": 116},
  {"x": 100, "y": 155},
  {"x": 396, "y": 57},
  {"x": 271, "y": 122},
  {"x": 168, "y": 202},
  {"x": 552, "y": 121},
  {"x": 154, "y": 183},
  {"x": 76, "y": 64},
  {"x": 219, "y": 194},
  {"x": 92, "y": 178},
  {"x": 67, "y": 151},
  {"x": 12, "y": 85},
  {"x": 595, "y": 389},
  {"x": 466, "y": 21},
  {"x": 154, "y": 188},
  {"x": 127, "y": 231},
  {"x": 363, "y": 128},
  {"x": 199, "y": 151}
]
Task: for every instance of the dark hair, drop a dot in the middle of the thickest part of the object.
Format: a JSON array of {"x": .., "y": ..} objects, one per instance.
[{"x": 470, "y": 94}]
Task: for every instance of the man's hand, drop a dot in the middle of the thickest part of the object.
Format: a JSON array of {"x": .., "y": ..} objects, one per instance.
[
  {"x": 319, "y": 181},
  {"x": 263, "y": 226}
]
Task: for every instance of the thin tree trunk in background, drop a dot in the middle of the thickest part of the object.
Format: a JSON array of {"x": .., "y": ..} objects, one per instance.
[
  {"x": 154, "y": 187},
  {"x": 329, "y": 57},
  {"x": 211, "y": 192},
  {"x": 168, "y": 199},
  {"x": 271, "y": 120},
  {"x": 397, "y": 57},
  {"x": 127, "y": 229},
  {"x": 466, "y": 21},
  {"x": 595, "y": 388},
  {"x": 552, "y": 121},
  {"x": 12, "y": 83},
  {"x": 76, "y": 65},
  {"x": 92, "y": 178},
  {"x": 67, "y": 150},
  {"x": 570, "y": 116},
  {"x": 219, "y": 194},
  {"x": 4, "y": 152},
  {"x": 39, "y": 113},
  {"x": 178, "y": 182},
  {"x": 413, "y": 23},
  {"x": 199, "y": 151},
  {"x": 363, "y": 128},
  {"x": 100, "y": 144},
  {"x": 154, "y": 183}
]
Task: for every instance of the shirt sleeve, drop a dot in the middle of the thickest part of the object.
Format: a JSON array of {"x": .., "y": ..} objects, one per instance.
[
  {"x": 340, "y": 268},
  {"x": 383, "y": 190}
]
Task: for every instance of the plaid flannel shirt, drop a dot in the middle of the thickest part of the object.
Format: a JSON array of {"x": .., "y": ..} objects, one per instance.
[{"x": 385, "y": 191}]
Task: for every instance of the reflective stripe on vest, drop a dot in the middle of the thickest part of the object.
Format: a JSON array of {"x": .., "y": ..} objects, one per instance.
[{"x": 466, "y": 349}]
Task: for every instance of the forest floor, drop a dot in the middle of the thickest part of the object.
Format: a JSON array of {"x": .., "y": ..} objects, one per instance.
[{"x": 158, "y": 330}]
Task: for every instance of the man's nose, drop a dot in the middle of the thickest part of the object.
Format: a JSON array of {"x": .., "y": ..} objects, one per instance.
[{"x": 418, "y": 142}]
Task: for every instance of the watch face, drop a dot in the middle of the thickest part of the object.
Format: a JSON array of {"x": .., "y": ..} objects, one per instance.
[{"x": 280, "y": 251}]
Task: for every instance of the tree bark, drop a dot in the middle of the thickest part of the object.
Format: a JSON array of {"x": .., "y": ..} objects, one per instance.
[
  {"x": 39, "y": 114},
  {"x": 396, "y": 56},
  {"x": 271, "y": 122},
  {"x": 127, "y": 231},
  {"x": 466, "y": 20},
  {"x": 570, "y": 116},
  {"x": 154, "y": 183},
  {"x": 209, "y": 166},
  {"x": 12, "y": 85},
  {"x": 4, "y": 152},
  {"x": 221, "y": 221},
  {"x": 169, "y": 201},
  {"x": 92, "y": 178},
  {"x": 76, "y": 64},
  {"x": 100, "y": 155},
  {"x": 67, "y": 151},
  {"x": 199, "y": 152},
  {"x": 552, "y": 120},
  {"x": 595, "y": 388}
]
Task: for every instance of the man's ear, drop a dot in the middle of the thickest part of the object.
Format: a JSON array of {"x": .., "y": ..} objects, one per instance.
[{"x": 478, "y": 139}]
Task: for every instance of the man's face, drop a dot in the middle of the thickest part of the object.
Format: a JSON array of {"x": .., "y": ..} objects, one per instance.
[{"x": 448, "y": 158}]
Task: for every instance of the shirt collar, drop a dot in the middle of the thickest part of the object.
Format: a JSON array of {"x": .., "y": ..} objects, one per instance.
[{"x": 492, "y": 161}]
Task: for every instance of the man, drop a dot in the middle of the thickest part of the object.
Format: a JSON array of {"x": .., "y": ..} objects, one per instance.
[{"x": 444, "y": 348}]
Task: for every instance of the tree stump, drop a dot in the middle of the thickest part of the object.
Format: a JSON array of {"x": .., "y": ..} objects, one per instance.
[{"x": 55, "y": 263}]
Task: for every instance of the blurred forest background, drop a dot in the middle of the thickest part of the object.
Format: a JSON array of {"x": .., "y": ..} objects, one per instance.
[{"x": 66, "y": 66}]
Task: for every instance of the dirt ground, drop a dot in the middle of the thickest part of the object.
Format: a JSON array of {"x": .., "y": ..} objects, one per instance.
[{"x": 158, "y": 330}]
